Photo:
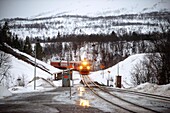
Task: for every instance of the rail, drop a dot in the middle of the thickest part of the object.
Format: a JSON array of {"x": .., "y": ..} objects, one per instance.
[{"x": 85, "y": 78}]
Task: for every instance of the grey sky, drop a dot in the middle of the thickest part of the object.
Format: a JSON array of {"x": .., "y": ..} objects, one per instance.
[
  {"x": 24, "y": 8},
  {"x": 29, "y": 8}
]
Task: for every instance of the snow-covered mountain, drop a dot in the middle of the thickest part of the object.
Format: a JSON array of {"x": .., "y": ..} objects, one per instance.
[
  {"x": 94, "y": 17},
  {"x": 96, "y": 8}
]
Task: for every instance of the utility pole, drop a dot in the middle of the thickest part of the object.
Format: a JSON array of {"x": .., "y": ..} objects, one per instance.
[
  {"x": 93, "y": 45},
  {"x": 118, "y": 69},
  {"x": 35, "y": 64},
  {"x": 69, "y": 74},
  {"x": 118, "y": 77},
  {"x": 68, "y": 65}
]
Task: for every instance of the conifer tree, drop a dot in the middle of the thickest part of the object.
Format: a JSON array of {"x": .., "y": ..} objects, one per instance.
[
  {"x": 27, "y": 46},
  {"x": 5, "y": 34},
  {"x": 39, "y": 51}
]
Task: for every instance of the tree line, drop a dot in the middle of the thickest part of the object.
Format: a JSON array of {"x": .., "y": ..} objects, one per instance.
[{"x": 19, "y": 43}]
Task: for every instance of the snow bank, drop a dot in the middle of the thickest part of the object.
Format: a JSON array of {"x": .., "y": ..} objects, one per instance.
[
  {"x": 4, "y": 92},
  {"x": 41, "y": 85},
  {"x": 163, "y": 90},
  {"x": 125, "y": 68},
  {"x": 25, "y": 71},
  {"x": 39, "y": 62}
]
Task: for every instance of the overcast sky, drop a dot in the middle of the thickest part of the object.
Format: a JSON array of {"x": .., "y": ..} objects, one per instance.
[
  {"x": 29, "y": 8},
  {"x": 23, "y": 8}
]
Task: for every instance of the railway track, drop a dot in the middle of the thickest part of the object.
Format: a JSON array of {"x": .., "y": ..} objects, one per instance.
[
  {"x": 152, "y": 96},
  {"x": 158, "y": 97},
  {"x": 135, "y": 108}
]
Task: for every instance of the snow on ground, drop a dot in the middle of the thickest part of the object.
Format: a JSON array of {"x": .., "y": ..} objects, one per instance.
[
  {"x": 22, "y": 72},
  {"x": 124, "y": 69},
  {"x": 41, "y": 85},
  {"x": 39, "y": 62},
  {"x": 21, "y": 69},
  {"x": 163, "y": 90},
  {"x": 25, "y": 71},
  {"x": 4, "y": 92}
]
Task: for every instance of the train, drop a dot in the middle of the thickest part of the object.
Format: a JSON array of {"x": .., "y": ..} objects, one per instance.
[
  {"x": 84, "y": 66},
  {"x": 64, "y": 64}
]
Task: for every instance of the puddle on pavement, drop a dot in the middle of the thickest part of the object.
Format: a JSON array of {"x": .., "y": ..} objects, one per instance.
[
  {"x": 81, "y": 91},
  {"x": 83, "y": 102}
]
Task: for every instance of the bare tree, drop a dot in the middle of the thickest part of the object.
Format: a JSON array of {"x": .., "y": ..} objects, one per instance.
[
  {"x": 138, "y": 75},
  {"x": 146, "y": 70},
  {"x": 161, "y": 45},
  {"x": 4, "y": 68},
  {"x": 157, "y": 64}
]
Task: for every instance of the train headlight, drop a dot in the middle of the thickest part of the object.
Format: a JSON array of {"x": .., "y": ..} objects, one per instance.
[
  {"x": 88, "y": 67},
  {"x": 81, "y": 67},
  {"x": 84, "y": 63}
]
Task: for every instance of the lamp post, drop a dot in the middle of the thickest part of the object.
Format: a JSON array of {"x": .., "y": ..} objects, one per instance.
[
  {"x": 93, "y": 45},
  {"x": 35, "y": 64},
  {"x": 68, "y": 67},
  {"x": 69, "y": 73}
]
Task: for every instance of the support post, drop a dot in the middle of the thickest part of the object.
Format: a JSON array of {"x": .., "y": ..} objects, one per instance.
[{"x": 35, "y": 64}]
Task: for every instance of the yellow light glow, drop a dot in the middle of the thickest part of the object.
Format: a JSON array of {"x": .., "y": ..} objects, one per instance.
[
  {"x": 81, "y": 91},
  {"x": 81, "y": 67},
  {"x": 84, "y": 63},
  {"x": 88, "y": 67},
  {"x": 84, "y": 103},
  {"x": 81, "y": 94}
]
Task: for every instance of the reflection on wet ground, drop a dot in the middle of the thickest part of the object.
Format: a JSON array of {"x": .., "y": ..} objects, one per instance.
[
  {"x": 83, "y": 102},
  {"x": 81, "y": 91}
]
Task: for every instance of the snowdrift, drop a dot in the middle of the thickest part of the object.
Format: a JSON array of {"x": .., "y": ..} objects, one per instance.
[
  {"x": 41, "y": 85},
  {"x": 125, "y": 69},
  {"x": 4, "y": 92},
  {"x": 153, "y": 88}
]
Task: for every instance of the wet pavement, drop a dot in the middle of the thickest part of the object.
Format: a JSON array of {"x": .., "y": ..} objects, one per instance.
[{"x": 41, "y": 102}]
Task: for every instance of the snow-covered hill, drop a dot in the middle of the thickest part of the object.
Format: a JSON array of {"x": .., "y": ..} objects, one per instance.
[
  {"x": 123, "y": 68},
  {"x": 93, "y": 17},
  {"x": 25, "y": 71}
]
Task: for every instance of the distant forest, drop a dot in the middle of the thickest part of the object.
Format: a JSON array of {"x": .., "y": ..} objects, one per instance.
[{"x": 111, "y": 47}]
